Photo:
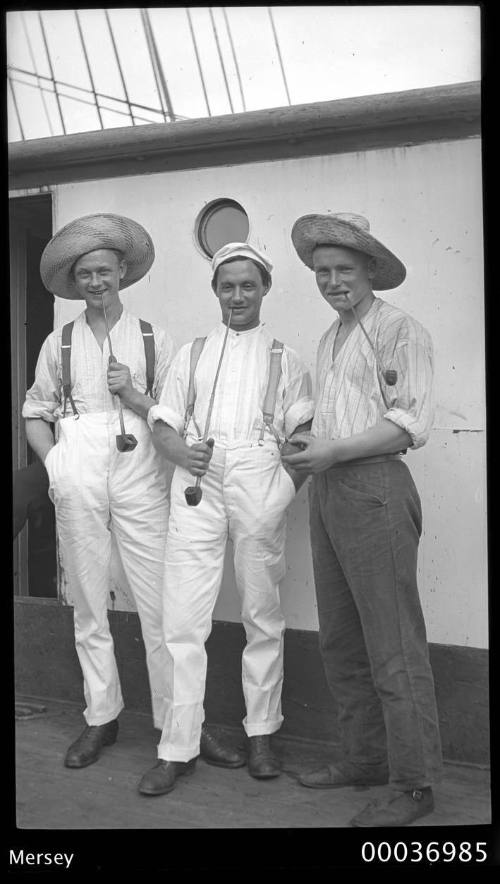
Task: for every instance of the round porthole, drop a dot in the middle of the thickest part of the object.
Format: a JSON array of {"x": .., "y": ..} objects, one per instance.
[{"x": 222, "y": 221}]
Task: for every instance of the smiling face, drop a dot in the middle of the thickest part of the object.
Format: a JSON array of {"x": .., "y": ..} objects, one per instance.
[
  {"x": 97, "y": 277},
  {"x": 239, "y": 284},
  {"x": 344, "y": 277}
]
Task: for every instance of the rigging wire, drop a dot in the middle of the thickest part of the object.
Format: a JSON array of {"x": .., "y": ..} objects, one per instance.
[
  {"x": 53, "y": 79},
  {"x": 33, "y": 62},
  {"x": 235, "y": 60},
  {"x": 200, "y": 70},
  {"x": 117, "y": 59},
  {"x": 276, "y": 43},
  {"x": 84, "y": 48},
  {"x": 214, "y": 29}
]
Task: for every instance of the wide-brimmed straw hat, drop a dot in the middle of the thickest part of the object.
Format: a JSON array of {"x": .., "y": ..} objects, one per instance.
[
  {"x": 86, "y": 234},
  {"x": 347, "y": 231}
]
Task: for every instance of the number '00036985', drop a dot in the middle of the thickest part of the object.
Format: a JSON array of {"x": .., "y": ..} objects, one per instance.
[{"x": 416, "y": 851}]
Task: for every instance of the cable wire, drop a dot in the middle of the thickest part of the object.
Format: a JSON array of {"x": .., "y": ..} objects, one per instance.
[{"x": 276, "y": 43}]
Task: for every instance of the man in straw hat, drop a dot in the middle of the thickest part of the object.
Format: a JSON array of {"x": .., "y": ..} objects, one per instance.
[
  {"x": 103, "y": 495},
  {"x": 246, "y": 492},
  {"x": 374, "y": 379}
]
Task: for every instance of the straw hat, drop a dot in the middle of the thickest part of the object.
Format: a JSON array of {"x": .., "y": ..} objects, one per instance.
[
  {"x": 347, "y": 231},
  {"x": 86, "y": 234}
]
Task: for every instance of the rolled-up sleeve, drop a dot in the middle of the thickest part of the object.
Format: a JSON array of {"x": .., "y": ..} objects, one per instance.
[
  {"x": 43, "y": 398},
  {"x": 298, "y": 403},
  {"x": 171, "y": 405},
  {"x": 411, "y": 398}
]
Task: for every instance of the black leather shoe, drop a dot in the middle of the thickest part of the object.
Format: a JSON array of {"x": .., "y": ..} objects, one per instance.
[
  {"x": 87, "y": 748},
  {"x": 161, "y": 778},
  {"x": 215, "y": 753},
  {"x": 262, "y": 762}
]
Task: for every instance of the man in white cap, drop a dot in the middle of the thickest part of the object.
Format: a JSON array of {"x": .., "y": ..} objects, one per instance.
[
  {"x": 246, "y": 492},
  {"x": 374, "y": 381},
  {"x": 100, "y": 491}
]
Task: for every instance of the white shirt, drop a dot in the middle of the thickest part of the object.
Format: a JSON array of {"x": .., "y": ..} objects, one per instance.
[
  {"x": 241, "y": 388},
  {"x": 89, "y": 366},
  {"x": 349, "y": 397}
]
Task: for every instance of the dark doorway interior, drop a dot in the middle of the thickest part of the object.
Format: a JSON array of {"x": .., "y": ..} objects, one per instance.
[{"x": 32, "y": 310}]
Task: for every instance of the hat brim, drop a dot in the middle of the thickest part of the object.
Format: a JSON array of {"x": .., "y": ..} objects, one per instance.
[
  {"x": 87, "y": 234},
  {"x": 310, "y": 231}
]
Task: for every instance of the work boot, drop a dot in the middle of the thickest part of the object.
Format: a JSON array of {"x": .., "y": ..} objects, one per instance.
[
  {"x": 262, "y": 762},
  {"x": 341, "y": 774},
  {"x": 215, "y": 753},
  {"x": 399, "y": 809},
  {"x": 87, "y": 748},
  {"x": 161, "y": 778}
]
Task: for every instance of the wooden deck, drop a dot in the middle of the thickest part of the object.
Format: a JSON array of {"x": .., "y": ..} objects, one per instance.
[{"x": 104, "y": 795}]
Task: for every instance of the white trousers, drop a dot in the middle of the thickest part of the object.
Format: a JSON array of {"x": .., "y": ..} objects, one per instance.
[
  {"x": 98, "y": 491},
  {"x": 245, "y": 495}
]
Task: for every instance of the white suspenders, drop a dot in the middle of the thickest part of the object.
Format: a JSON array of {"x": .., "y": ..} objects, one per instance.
[{"x": 271, "y": 392}]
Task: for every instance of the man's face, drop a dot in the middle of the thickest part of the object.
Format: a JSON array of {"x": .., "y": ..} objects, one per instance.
[
  {"x": 240, "y": 286},
  {"x": 97, "y": 277},
  {"x": 344, "y": 276}
]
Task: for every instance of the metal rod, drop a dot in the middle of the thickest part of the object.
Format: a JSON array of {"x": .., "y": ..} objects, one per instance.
[
  {"x": 200, "y": 70},
  {"x": 279, "y": 53},
  {"x": 117, "y": 57},
  {"x": 53, "y": 79},
  {"x": 214, "y": 29},
  {"x": 157, "y": 65},
  {"x": 33, "y": 62},
  {"x": 89, "y": 71},
  {"x": 235, "y": 60},
  {"x": 16, "y": 108}
]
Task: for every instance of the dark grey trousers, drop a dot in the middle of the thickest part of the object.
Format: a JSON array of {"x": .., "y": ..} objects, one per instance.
[{"x": 366, "y": 522}]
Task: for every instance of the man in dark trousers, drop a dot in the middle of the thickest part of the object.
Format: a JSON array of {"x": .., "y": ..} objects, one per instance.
[{"x": 374, "y": 380}]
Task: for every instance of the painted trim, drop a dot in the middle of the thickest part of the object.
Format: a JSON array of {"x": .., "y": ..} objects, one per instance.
[
  {"x": 321, "y": 128},
  {"x": 47, "y": 666}
]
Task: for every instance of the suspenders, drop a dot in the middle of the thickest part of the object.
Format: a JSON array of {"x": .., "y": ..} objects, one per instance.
[
  {"x": 149, "y": 352},
  {"x": 271, "y": 392},
  {"x": 66, "y": 368},
  {"x": 196, "y": 348}
]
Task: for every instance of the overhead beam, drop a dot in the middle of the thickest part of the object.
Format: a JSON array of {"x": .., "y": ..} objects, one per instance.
[{"x": 371, "y": 121}]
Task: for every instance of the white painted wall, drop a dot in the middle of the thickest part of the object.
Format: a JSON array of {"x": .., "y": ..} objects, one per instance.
[{"x": 424, "y": 203}]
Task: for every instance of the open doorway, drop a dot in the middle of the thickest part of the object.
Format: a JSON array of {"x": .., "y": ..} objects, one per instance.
[{"x": 32, "y": 319}]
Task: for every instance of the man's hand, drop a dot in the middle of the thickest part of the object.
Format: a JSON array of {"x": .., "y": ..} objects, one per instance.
[
  {"x": 315, "y": 455},
  {"x": 198, "y": 457},
  {"x": 288, "y": 447},
  {"x": 120, "y": 381}
]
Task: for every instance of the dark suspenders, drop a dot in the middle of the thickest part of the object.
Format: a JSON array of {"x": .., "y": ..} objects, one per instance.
[
  {"x": 149, "y": 352},
  {"x": 66, "y": 367}
]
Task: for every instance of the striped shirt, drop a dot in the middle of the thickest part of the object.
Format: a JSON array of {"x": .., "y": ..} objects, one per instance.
[
  {"x": 241, "y": 388},
  {"x": 350, "y": 397},
  {"x": 89, "y": 366}
]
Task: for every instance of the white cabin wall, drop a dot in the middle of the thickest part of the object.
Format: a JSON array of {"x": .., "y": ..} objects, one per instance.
[{"x": 424, "y": 203}]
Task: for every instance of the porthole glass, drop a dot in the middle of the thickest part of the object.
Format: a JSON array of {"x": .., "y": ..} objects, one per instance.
[{"x": 220, "y": 222}]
